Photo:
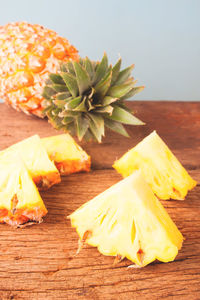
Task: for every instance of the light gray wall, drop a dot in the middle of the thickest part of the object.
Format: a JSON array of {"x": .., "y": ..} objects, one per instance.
[{"x": 161, "y": 37}]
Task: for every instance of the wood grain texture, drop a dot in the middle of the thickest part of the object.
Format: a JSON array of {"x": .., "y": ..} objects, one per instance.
[{"x": 39, "y": 262}]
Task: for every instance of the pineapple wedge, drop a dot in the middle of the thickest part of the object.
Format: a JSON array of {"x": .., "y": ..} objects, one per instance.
[
  {"x": 20, "y": 201},
  {"x": 160, "y": 168},
  {"x": 127, "y": 220},
  {"x": 42, "y": 169},
  {"x": 67, "y": 155}
]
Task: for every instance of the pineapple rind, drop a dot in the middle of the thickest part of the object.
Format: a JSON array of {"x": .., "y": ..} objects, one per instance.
[
  {"x": 161, "y": 169},
  {"x": 67, "y": 155},
  {"x": 126, "y": 218}
]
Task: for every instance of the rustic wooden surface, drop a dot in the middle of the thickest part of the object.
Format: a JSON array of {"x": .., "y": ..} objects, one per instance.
[{"x": 38, "y": 262}]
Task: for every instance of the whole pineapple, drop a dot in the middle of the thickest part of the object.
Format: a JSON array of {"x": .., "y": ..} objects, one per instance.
[{"x": 28, "y": 53}]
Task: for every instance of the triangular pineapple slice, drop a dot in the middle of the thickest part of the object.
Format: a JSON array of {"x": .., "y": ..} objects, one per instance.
[
  {"x": 67, "y": 155},
  {"x": 127, "y": 220},
  {"x": 42, "y": 169},
  {"x": 160, "y": 168},
  {"x": 20, "y": 201}
]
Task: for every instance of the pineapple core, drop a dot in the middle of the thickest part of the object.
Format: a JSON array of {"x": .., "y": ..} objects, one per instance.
[
  {"x": 20, "y": 201},
  {"x": 127, "y": 220},
  {"x": 160, "y": 168},
  {"x": 67, "y": 155},
  {"x": 35, "y": 157}
]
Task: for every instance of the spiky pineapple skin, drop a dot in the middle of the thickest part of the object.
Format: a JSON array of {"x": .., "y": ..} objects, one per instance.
[
  {"x": 161, "y": 169},
  {"x": 67, "y": 155},
  {"x": 27, "y": 54}
]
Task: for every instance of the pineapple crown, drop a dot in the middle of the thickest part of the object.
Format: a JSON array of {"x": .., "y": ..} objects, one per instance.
[{"x": 86, "y": 96}]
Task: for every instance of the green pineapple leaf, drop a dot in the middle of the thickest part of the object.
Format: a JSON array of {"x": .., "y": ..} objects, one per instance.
[
  {"x": 121, "y": 115},
  {"x": 116, "y": 126},
  {"x": 71, "y": 83},
  {"x": 87, "y": 96},
  {"x": 102, "y": 68},
  {"x": 82, "y": 78}
]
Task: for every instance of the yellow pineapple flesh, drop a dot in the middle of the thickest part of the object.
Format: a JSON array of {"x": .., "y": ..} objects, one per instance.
[
  {"x": 20, "y": 201},
  {"x": 127, "y": 220},
  {"x": 160, "y": 168},
  {"x": 28, "y": 53},
  {"x": 67, "y": 155},
  {"x": 35, "y": 157}
]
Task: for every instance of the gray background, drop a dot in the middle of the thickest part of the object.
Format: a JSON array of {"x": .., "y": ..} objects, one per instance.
[{"x": 161, "y": 37}]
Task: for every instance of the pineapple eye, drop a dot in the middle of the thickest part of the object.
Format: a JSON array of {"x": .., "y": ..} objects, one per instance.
[
  {"x": 177, "y": 193},
  {"x": 118, "y": 259},
  {"x": 14, "y": 202},
  {"x": 87, "y": 234},
  {"x": 140, "y": 255}
]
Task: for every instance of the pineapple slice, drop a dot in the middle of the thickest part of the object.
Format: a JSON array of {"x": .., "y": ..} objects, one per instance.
[
  {"x": 67, "y": 155},
  {"x": 20, "y": 201},
  {"x": 41, "y": 168},
  {"x": 160, "y": 168},
  {"x": 127, "y": 220}
]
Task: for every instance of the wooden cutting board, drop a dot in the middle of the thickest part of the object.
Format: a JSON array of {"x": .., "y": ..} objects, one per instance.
[{"x": 39, "y": 262}]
